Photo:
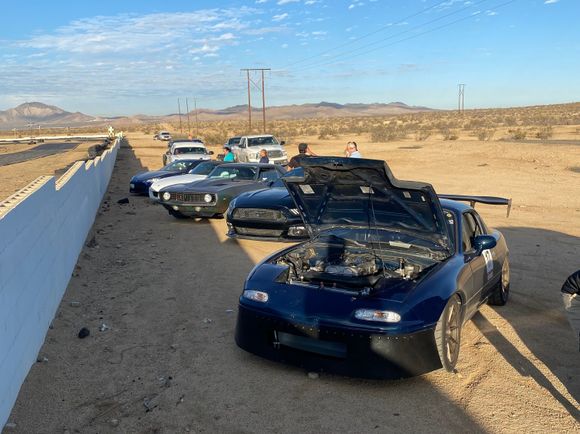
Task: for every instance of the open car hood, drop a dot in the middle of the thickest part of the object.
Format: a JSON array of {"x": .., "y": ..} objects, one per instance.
[{"x": 359, "y": 192}]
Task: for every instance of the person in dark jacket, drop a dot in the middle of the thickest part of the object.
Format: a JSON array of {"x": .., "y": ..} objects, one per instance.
[
  {"x": 571, "y": 298},
  {"x": 303, "y": 151},
  {"x": 264, "y": 157}
]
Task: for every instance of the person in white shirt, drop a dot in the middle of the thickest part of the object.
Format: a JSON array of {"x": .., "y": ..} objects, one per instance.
[{"x": 352, "y": 150}]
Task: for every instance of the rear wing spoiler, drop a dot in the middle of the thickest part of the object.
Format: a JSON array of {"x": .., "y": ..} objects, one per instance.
[{"x": 489, "y": 200}]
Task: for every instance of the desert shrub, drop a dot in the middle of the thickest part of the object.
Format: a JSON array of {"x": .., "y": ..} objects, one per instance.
[
  {"x": 422, "y": 134},
  {"x": 387, "y": 133},
  {"x": 518, "y": 134},
  {"x": 449, "y": 134},
  {"x": 326, "y": 132},
  {"x": 485, "y": 134},
  {"x": 218, "y": 137},
  {"x": 545, "y": 132}
]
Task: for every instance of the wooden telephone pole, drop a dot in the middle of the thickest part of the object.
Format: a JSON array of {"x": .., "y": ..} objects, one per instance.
[{"x": 261, "y": 88}]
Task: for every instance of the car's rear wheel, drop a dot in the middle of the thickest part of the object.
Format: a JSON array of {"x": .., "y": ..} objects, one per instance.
[
  {"x": 448, "y": 333},
  {"x": 501, "y": 292}
]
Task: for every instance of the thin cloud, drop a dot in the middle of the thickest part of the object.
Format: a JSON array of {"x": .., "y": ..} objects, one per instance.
[
  {"x": 129, "y": 53},
  {"x": 551, "y": 2},
  {"x": 280, "y": 17},
  {"x": 283, "y": 2}
]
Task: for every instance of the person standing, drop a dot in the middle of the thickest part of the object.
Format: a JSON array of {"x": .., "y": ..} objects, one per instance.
[
  {"x": 264, "y": 157},
  {"x": 571, "y": 298},
  {"x": 229, "y": 157},
  {"x": 352, "y": 150},
  {"x": 303, "y": 151}
]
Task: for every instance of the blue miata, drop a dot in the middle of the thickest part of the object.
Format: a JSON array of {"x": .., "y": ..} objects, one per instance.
[{"x": 382, "y": 288}]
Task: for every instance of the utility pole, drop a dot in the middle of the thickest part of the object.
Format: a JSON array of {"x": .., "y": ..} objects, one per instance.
[
  {"x": 260, "y": 88},
  {"x": 179, "y": 110},
  {"x": 187, "y": 108},
  {"x": 196, "y": 122},
  {"x": 263, "y": 105},
  {"x": 461, "y": 98}
]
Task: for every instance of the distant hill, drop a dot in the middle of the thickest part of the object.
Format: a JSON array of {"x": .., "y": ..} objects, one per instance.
[
  {"x": 39, "y": 113},
  {"x": 45, "y": 115}
]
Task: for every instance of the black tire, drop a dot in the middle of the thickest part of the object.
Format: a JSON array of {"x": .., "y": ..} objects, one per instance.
[
  {"x": 448, "y": 333},
  {"x": 177, "y": 214},
  {"x": 501, "y": 293}
]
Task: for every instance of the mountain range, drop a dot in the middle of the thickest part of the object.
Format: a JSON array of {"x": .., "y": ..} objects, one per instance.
[{"x": 34, "y": 114}]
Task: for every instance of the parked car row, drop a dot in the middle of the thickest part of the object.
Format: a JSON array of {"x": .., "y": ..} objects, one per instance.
[{"x": 384, "y": 275}]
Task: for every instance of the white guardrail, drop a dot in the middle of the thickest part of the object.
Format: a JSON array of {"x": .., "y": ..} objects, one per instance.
[{"x": 42, "y": 231}]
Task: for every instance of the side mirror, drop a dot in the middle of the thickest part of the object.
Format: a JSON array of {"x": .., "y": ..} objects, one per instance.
[
  {"x": 210, "y": 152},
  {"x": 242, "y": 145},
  {"x": 282, "y": 143},
  {"x": 483, "y": 242}
]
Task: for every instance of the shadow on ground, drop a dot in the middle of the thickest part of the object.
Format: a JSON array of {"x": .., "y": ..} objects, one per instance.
[{"x": 541, "y": 260}]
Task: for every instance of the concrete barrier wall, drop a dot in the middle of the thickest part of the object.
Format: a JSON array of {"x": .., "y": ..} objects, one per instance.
[{"x": 42, "y": 231}]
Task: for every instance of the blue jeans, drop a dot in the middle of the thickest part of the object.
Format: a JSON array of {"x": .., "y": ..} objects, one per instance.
[{"x": 572, "y": 307}]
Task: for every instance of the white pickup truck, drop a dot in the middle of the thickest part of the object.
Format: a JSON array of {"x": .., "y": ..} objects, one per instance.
[
  {"x": 186, "y": 150},
  {"x": 249, "y": 147}
]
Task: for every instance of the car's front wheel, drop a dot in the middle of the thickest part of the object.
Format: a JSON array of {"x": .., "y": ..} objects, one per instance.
[
  {"x": 448, "y": 333},
  {"x": 501, "y": 292}
]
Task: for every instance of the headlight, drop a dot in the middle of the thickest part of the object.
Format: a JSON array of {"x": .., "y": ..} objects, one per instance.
[
  {"x": 296, "y": 231},
  {"x": 258, "y": 296},
  {"x": 208, "y": 198},
  {"x": 166, "y": 195},
  {"x": 132, "y": 185},
  {"x": 377, "y": 315}
]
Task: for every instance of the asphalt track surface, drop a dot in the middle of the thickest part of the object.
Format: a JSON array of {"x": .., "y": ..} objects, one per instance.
[{"x": 39, "y": 151}]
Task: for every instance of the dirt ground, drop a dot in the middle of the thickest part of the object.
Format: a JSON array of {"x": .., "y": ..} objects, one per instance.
[
  {"x": 167, "y": 292},
  {"x": 17, "y": 176}
]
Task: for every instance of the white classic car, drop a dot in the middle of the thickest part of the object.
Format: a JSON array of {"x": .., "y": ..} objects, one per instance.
[
  {"x": 186, "y": 150},
  {"x": 198, "y": 173}
]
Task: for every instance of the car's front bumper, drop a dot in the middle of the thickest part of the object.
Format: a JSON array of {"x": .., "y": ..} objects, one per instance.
[
  {"x": 195, "y": 210},
  {"x": 336, "y": 350},
  {"x": 266, "y": 230},
  {"x": 139, "y": 188}
]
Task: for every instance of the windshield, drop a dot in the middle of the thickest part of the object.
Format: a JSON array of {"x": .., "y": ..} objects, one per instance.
[
  {"x": 181, "y": 165},
  {"x": 203, "y": 169},
  {"x": 234, "y": 141},
  {"x": 294, "y": 172},
  {"x": 234, "y": 173},
  {"x": 189, "y": 150},
  {"x": 261, "y": 141}
]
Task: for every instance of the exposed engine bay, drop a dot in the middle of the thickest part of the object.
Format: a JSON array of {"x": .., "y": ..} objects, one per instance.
[{"x": 351, "y": 265}]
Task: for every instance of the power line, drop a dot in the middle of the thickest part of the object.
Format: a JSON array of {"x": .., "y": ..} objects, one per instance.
[
  {"x": 395, "y": 35},
  {"x": 407, "y": 38},
  {"x": 366, "y": 35}
]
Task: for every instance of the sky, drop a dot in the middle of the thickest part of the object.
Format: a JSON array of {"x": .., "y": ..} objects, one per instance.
[{"x": 137, "y": 57}]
